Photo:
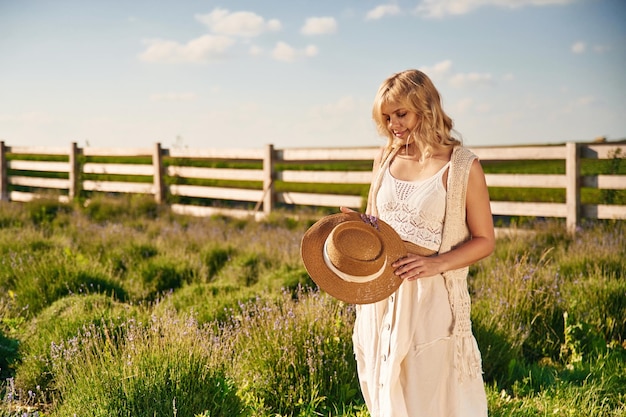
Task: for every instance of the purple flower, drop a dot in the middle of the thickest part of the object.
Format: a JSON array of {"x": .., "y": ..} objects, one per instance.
[{"x": 371, "y": 220}]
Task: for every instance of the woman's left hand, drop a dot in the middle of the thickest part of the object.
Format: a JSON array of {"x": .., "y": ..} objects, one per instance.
[{"x": 413, "y": 266}]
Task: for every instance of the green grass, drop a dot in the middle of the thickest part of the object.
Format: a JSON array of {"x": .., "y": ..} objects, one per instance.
[{"x": 122, "y": 308}]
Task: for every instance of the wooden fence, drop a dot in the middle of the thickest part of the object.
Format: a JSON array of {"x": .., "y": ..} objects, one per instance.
[{"x": 24, "y": 167}]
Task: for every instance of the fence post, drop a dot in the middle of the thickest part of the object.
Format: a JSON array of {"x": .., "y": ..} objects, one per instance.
[
  {"x": 572, "y": 190},
  {"x": 4, "y": 183},
  {"x": 268, "y": 179},
  {"x": 157, "y": 165},
  {"x": 73, "y": 173}
]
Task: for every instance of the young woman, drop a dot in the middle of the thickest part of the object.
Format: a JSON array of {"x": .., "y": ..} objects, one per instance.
[{"x": 416, "y": 353}]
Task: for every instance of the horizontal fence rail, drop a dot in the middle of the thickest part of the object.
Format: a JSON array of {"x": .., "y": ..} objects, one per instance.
[{"x": 177, "y": 177}]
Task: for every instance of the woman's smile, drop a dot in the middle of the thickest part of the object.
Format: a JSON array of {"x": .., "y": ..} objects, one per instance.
[
  {"x": 400, "y": 121},
  {"x": 402, "y": 134}
]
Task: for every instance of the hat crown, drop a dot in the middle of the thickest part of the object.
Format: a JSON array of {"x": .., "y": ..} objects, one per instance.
[{"x": 355, "y": 248}]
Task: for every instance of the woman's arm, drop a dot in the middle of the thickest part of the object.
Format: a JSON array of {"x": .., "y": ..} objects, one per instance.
[{"x": 481, "y": 244}]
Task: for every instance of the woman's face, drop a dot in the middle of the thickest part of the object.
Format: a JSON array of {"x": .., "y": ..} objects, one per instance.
[{"x": 400, "y": 121}]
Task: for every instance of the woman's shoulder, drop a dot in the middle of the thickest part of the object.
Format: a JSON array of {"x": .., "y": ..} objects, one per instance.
[{"x": 461, "y": 153}]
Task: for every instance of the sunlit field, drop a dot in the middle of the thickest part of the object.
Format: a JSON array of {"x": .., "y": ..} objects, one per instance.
[{"x": 121, "y": 308}]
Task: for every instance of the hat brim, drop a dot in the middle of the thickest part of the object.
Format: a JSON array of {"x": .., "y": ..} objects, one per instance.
[{"x": 312, "y": 253}]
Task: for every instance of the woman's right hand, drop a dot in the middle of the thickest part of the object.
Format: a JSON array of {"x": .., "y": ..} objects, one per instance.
[{"x": 346, "y": 210}]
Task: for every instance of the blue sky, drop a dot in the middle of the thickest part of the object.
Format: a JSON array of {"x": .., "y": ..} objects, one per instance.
[{"x": 243, "y": 74}]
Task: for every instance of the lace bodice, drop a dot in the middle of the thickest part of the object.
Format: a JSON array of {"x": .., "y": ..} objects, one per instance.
[{"x": 415, "y": 209}]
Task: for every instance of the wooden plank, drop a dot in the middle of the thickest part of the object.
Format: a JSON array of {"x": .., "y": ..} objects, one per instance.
[
  {"x": 326, "y": 177},
  {"x": 325, "y": 200},
  {"x": 519, "y": 152},
  {"x": 237, "y": 194},
  {"x": 508, "y": 232},
  {"x": 326, "y": 154},
  {"x": 203, "y": 211},
  {"x": 37, "y": 150},
  {"x": 23, "y": 197},
  {"x": 604, "y": 182},
  {"x": 572, "y": 188},
  {"x": 269, "y": 158},
  {"x": 39, "y": 166},
  {"x": 73, "y": 176},
  {"x": 526, "y": 180},
  {"x": 38, "y": 182},
  {"x": 512, "y": 208},
  {"x": 117, "y": 152},
  {"x": 216, "y": 173},
  {"x": 157, "y": 176},
  {"x": 118, "y": 187},
  {"x": 118, "y": 169},
  {"x": 4, "y": 177},
  {"x": 247, "y": 154},
  {"x": 603, "y": 211}
]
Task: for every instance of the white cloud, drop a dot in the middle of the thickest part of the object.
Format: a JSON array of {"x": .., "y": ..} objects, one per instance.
[
  {"x": 173, "y": 97},
  {"x": 442, "y": 71},
  {"x": 311, "y": 50},
  {"x": 381, "y": 11},
  {"x": 284, "y": 52},
  {"x": 319, "y": 26},
  {"x": 442, "y": 8},
  {"x": 462, "y": 80},
  {"x": 244, "y": 24},
  {"x": 579, "y": 47},
  {"x": 437, "y": 71},
  {"x": 255, "y": 50},
  {"x": 287, "y": 53},
  {"x": 202, "y": 49}
]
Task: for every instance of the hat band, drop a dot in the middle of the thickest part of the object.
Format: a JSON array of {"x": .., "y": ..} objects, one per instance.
[{"x": 349, "y": 277}]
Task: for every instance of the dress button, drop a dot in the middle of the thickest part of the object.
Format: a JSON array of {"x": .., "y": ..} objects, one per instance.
[
  {"x": 384, "y": 358},
  {"x": 392, "y": 297},
  {"x": 388, "y": 326}
]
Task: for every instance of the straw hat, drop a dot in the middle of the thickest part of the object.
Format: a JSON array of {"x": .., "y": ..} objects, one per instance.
[{"x": 349, "y": 256}]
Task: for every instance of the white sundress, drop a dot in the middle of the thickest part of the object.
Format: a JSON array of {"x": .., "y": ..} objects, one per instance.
[{"x": 403, "y": 344}]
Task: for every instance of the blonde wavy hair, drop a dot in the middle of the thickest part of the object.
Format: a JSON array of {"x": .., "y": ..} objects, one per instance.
[{"x": 413, "y": 90}]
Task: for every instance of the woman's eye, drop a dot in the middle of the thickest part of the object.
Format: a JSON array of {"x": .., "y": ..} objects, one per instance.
[{"x": 401, "y": 114}]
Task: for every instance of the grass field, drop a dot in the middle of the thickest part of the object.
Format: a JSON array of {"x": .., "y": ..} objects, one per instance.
[{"x": 120, "y": 308}]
